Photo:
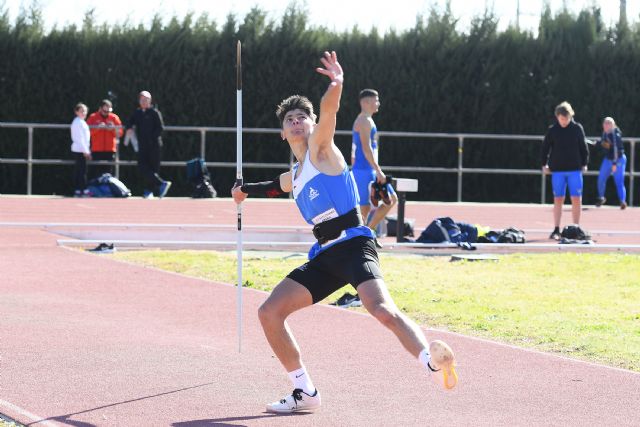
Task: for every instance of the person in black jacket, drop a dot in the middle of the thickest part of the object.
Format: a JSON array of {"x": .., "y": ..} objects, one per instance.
[
  {"x": 147, "y": 123},
  {"x": 565, "y": 156}
]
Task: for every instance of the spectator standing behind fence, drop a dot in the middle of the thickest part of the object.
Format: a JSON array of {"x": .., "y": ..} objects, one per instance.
[
  {"x": 148, "y": 129},
  {"x": 104, "y": 136},
  {"x": 614, "y": 162},
  {"x": 565, "y": 156},
  {"x": 80, "y": 149}
]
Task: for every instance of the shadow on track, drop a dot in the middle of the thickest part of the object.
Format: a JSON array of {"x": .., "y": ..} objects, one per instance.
[
  {"x": 222, "y": 422},
  {"x": 64, "y": 419}
]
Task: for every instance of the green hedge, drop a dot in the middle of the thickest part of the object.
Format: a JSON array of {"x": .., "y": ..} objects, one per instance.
[{"x": 432, "y": 78}]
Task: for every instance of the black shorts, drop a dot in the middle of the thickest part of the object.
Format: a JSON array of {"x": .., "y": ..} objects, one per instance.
[{"x": 353, "y": 261}]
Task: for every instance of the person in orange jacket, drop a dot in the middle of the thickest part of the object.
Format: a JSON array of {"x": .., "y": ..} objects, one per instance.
[{"x": 105, "y": 132}]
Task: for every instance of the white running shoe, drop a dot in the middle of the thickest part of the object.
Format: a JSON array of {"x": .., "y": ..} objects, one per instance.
[{"x": 296, "y": 402}]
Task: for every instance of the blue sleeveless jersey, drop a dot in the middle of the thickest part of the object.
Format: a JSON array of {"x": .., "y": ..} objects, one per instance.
[
  {"x": 322, "y": 197},
  {"x": 360, "y": 160}
]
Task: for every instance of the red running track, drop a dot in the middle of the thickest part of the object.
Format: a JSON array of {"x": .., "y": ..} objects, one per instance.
[
  {"x": 283, "y": 212},
  {"x": 91, "y": 341}
]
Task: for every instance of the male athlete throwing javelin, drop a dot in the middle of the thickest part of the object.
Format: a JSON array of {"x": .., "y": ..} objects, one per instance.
[{"x": 326, "y": 195}]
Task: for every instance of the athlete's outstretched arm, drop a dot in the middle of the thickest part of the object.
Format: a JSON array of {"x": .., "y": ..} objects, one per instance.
[
  {"x": 275, "y": 188},
  {"x": 330, "y": 103}
]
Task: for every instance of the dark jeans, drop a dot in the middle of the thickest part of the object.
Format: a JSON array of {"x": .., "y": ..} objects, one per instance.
[
  {"x": 149, "y": 166},
  {"x": 79, "y": 172},
  {"x": 98, "y": 170}
]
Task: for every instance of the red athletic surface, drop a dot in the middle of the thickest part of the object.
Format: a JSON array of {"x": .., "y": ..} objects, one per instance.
[
  {"x": 90, "y": 341},
  {"x": 283, "y": 212}
]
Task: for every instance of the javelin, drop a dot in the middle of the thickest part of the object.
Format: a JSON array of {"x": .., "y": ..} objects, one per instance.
[{"x": 238, "y": 183}]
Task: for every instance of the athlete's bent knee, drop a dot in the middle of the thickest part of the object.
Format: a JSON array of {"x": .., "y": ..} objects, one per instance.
[{"x": 267, "y": 313}]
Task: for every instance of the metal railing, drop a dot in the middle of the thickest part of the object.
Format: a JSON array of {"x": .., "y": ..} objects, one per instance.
[{"x": 459, "y": 170}]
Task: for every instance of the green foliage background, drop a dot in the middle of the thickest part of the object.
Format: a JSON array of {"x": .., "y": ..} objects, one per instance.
[{"x": 432, "y": 78}]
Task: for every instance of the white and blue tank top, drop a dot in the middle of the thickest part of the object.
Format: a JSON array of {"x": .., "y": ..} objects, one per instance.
[
  {"x": 360, "y": 161},
  {"x": 322, "y": 197}
]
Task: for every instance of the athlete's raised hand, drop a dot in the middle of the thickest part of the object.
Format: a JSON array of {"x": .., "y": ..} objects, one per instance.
[
  {"x": 322, "y": 135},
  {"x": 332, "y": 68}
]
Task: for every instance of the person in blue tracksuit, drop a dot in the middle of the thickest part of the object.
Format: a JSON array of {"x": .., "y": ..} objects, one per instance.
[
  {"x": 325, "y": 193},
  {"x": 614, "y": 162},
  {"x": 565, "y": 156}
]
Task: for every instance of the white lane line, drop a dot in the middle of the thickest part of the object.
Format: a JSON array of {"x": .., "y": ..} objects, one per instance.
[
  {"x": 35, "y": 419},
  {"x": 151, "y": 225},
  {"x": 233, "y": 226}
]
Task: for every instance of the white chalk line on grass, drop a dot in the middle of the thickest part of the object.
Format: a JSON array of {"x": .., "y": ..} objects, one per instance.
[
  {"x": 35, "y": 419},
  {"x": 342, "y": 310}
]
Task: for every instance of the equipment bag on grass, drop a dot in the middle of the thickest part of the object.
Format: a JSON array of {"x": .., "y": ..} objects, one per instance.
[
  {"x": 511, "y": 235},
  {"x": 574, "y": 232},
  {"x": 508, "y": 235},
  {"x": 445, "y": 229}
]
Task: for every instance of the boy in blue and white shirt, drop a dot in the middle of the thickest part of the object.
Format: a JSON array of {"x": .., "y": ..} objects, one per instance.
[{"x": 326, "y": 195}]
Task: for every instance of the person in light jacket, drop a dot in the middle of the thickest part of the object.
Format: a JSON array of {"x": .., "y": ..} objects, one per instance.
[{"x": 80, "y": 148}]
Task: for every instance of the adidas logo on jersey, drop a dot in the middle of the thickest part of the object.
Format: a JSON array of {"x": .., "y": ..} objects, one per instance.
[{"x": 313, "y": 193}]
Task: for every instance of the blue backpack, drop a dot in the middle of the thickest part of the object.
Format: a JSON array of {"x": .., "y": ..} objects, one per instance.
[
  {"x": 108, "y": 186},
  {"x": 445, "y": 229}
]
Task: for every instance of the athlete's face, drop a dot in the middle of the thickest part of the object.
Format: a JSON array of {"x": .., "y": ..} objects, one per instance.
[
  {"x": 607, "y": 126},
  {"x": 371, "y": 104},
  {"x": 563, "y": 120},
  {"x": 296, "y": 125}
]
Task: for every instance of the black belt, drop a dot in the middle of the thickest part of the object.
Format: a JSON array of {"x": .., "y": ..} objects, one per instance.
[{"x": 331, "y": 229}]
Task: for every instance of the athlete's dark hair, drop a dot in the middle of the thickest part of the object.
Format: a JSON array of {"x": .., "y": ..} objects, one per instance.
[
  {"x": 365, "y": 93},
  {"x": 294, "y": 102}
]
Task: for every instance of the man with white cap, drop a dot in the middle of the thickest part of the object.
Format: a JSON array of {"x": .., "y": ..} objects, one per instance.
[{"x": 147, "y": 124}]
